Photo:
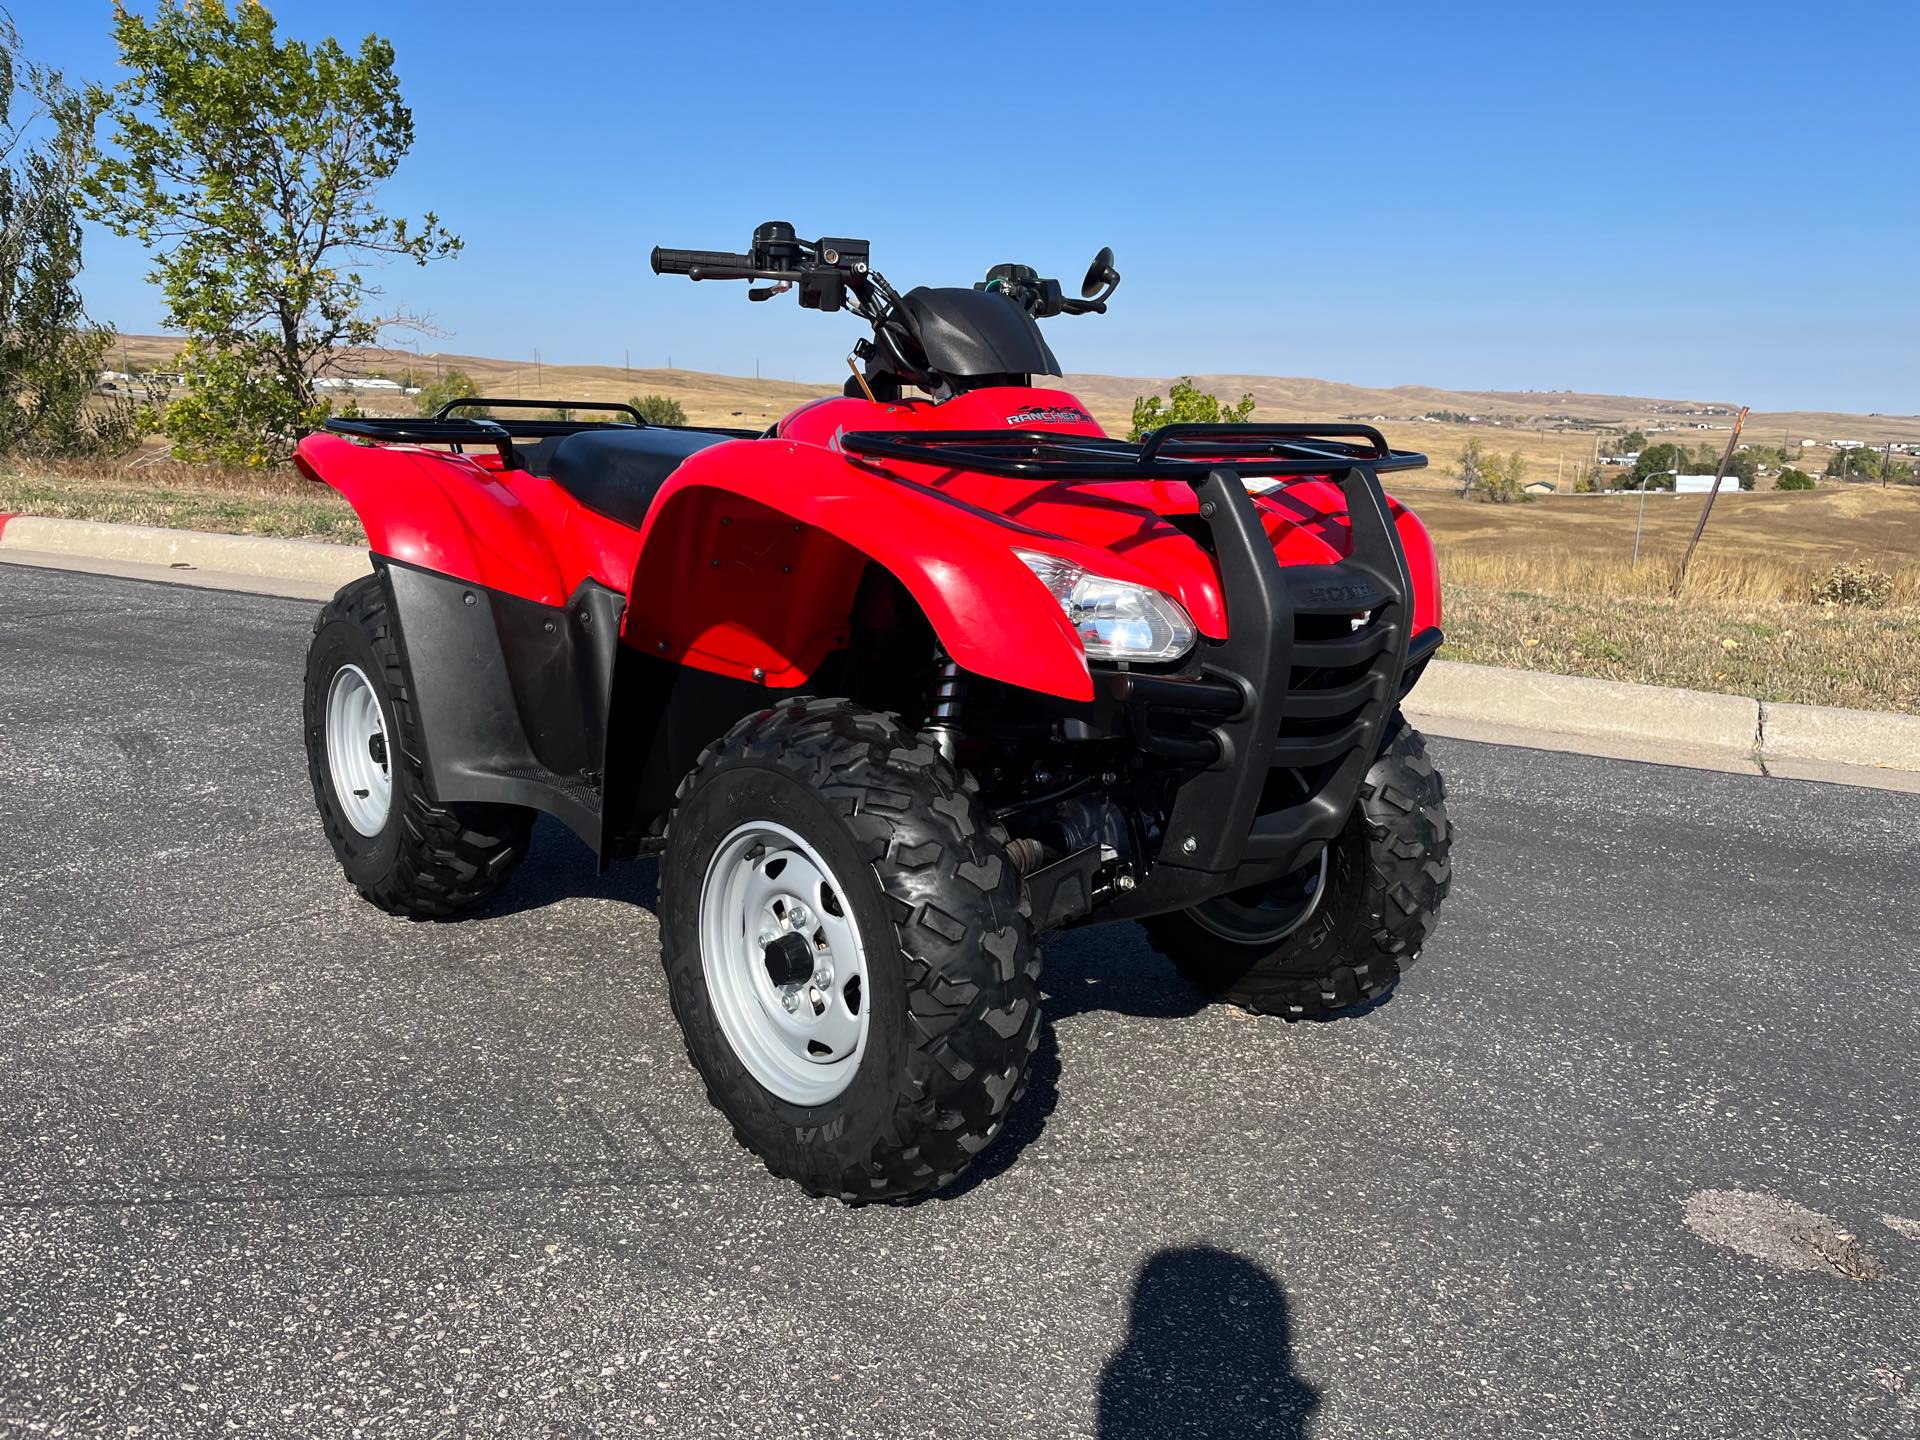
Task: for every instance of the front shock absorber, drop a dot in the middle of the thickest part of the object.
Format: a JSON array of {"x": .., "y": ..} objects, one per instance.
[{"x": 949, "y": 695}]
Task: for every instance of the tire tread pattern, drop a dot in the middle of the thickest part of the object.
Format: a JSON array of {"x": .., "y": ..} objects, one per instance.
[
  {"x": 1401, "y": 816},
  {"x": 451, "y": 858},
  {"x": 961, "y": 917}
]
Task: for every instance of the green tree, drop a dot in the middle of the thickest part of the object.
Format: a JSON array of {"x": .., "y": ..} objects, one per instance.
[
  {"x": 50, "y": 353},
  {"x": 659, "y": 409},
  {"x": 1186, "y": 404},
  {"x": 1861, "y": 462},
  {"x": 251, "y": 168},
  {"x": 448, "y": 386},
  {"x": 1792, "y": 479},
  {"x": 1631, "y": 443},
  {"x": 1472, "y": 466},
  {"x": 1503, "y": 479},
  {"x": 1652, "y": 470},
  {"x": 1744, "y": 465}
]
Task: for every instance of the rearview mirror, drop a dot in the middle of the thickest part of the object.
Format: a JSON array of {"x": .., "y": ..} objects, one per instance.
[{"x": 1101, "y": 276}]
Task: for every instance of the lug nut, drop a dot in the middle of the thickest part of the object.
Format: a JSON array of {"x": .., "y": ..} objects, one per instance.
[
  {"x": 822, "y": 977},
  {"x": 790, "y": 999},
  {"x": 799, "y": 917}
]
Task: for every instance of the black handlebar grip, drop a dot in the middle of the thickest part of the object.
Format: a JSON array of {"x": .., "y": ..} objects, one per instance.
[{"x": 685, "y": 262}]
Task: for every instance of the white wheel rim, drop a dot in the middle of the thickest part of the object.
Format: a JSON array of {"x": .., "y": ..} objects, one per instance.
[
  {"x": 357, "y": 755},
  {"x": 801, "y": 1040}
]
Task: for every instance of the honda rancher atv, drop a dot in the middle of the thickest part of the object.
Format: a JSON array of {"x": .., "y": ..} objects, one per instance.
[{"x": 890, "y": 689}]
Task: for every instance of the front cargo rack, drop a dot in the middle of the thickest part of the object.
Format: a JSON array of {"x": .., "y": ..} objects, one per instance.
[{"x": 1173, "y": 452}]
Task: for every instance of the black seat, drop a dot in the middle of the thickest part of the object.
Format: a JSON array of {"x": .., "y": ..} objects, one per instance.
[{"x": 617, "y": 472}]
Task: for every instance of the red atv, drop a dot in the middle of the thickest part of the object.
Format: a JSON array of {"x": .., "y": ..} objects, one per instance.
[{"x": 1072, "y": 680}]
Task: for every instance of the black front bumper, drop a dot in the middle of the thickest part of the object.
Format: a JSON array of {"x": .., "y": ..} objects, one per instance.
[{"x": 1280, "y": 722}]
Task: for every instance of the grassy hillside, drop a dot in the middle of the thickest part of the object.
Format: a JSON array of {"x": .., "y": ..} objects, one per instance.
[
  {"x": 712, "y": 399},
  {"x": 1785, "y": 531},
  {"x": 1547, "y": 585}
]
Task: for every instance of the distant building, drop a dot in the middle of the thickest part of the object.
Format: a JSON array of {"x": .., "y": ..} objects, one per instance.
[
  {"x": 1692, "y": 484},
  {"x": 353, "y": 382},
  {"x": 1540, "y": 487}
]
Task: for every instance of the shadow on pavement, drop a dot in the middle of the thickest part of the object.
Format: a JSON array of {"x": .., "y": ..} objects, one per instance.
[
  {"x": 1105, "y": 968},
  {"x": 1209, "y": 1353},
  {"x": 559, "y": 866},
  {"x": 1113, "y": 968}
]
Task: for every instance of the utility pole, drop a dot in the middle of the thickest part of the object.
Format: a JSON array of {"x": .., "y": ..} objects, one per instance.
[
  {"x": 1886, "y": 463},
  {"x": 1726, "y": 459}
]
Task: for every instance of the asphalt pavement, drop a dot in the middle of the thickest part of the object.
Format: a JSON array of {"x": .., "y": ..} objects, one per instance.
[{"x": 1631, "y": 1151}]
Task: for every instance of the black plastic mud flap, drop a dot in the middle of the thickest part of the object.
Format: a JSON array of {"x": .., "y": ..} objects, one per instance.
[{"x": 512, "y": 695}]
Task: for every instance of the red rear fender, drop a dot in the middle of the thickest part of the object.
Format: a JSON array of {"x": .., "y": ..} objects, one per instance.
[{"x": 440, "y": 512}]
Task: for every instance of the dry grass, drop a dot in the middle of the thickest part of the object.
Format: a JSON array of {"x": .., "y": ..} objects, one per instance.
[
  {"x": 1745, "y": 579},
  {"x": 1551, "y": 586},
  {"x": 169, "y": 493},
  {"x": 1810, "y": 528},
  {"x": 1810, "y": 654}
]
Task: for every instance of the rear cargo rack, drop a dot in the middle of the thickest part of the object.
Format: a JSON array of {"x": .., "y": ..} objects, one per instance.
[
  {"x": 431, "y": 431},
  {"x": 443, "y": 427},
  {"x": 1173, "y": 452}
]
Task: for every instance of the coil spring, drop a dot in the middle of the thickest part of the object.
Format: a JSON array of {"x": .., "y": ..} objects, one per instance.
[{"x": 949, "y": 694}]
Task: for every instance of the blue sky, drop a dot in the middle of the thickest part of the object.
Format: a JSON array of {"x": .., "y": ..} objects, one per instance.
[{"x": 1716, "y": 201}]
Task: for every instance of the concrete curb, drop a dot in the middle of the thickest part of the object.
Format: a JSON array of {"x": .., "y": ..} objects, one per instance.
[
  {"x": 1839, "y": 737},
  {"x": 1728, "y": 725},
  {"x": 311, "y": 561},
  {"x": 1680, "y": 727},
  {"x": 1474, "y": 702}
]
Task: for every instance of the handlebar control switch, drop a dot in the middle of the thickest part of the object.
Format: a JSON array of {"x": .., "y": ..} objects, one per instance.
[
  {"x": 775, "y": 246},
  {"x": 822, "y": 289}
]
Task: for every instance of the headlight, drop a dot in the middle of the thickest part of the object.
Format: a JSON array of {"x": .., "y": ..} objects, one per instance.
[{"x": 1114, "y": 620}]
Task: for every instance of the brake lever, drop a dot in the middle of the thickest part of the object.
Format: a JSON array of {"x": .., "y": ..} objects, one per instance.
[{"x": 767, "y": 292}]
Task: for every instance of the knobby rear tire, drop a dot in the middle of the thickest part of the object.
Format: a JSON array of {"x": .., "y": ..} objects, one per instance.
[{"x": 429, "y": 861}]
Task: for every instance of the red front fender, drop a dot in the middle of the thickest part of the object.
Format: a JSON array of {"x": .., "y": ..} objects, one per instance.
[{"x": 751, "y": 555}]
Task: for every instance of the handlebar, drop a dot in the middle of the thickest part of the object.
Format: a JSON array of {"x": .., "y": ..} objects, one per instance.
[
  {"x": 687, "y": 262},
  {"x": 832, "y": 272}
]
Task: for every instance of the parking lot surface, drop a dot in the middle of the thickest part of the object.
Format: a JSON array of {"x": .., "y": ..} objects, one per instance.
[{"x": 1631, "y": 1152}]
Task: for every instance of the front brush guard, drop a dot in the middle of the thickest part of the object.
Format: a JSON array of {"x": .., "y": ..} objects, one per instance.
[{"x": 1315, "y": 704}]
